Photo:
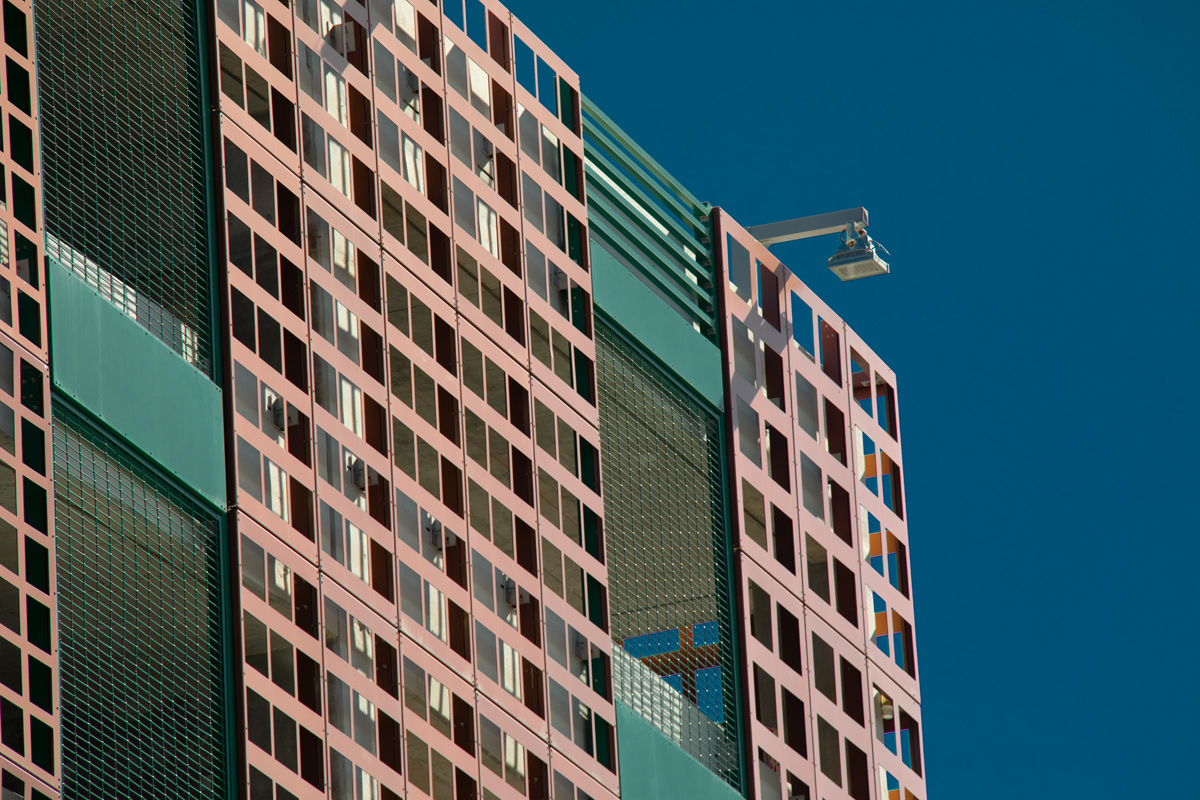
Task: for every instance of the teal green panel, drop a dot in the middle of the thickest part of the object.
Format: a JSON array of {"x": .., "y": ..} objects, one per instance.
[
  {"x": 135, "y": 384},
  {"x": 657, "y": 327},
  {"x": 655, "y": 768}
]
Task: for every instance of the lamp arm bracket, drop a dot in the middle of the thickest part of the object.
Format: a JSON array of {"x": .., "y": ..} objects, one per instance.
[{"x": 807, "y": 227}]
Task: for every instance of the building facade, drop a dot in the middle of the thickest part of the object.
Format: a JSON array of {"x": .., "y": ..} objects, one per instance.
[{"x": 382, "y": 422}]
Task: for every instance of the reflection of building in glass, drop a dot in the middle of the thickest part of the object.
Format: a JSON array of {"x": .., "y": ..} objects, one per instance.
[{"x": 380, "y": 421}]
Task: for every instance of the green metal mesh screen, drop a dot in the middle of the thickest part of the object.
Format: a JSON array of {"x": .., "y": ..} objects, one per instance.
[
  {"x": 668, "y": 555},
  {"x": 141, "y": 639},
  {"x": 124, "y": 165}
]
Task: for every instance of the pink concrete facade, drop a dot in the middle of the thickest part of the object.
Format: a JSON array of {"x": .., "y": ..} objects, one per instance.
[
  {"x": 831, "y": 669},
  {"x": 29, "y": 708},
  {"x": 422, "y": 612}
]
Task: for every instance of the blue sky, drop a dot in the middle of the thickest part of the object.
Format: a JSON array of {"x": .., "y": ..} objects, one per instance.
[{"x": 1033, "y": 168}]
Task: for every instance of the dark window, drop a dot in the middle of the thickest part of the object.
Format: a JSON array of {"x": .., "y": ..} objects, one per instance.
[
  {"x": 768, "y": 295},
  {"x": 242, "y": 318},
  {"x": 498, "y": 40},
  {"x": 431, "y": 102},
  {"x": 279, "y": 45},
  {"x": 527, "y": 543},
  {"x": 308, "y": 681},
  {"x": 773, "y": 372},
  {"x": 18, "y": 87},
  {"x": 780, "y": 457},
  {"x": 839, "y": 504},
  {"x": 439, "y": 254},
  {"x": 258, "y": 98},
  {"x": 241, "y": 254},
  {"x": 846, "y": 589},
  {"x": 534, "y": 692},
  {"x": 852, "y": 692},
  {"x": 262, "y": 187},
  {"x": 824, "y": 674},
  {"x": 16, "y": 30},
  {"x": 306, "y": 606},
  {"x": 445, "y": 345},
  {"x": 790, "y": 644},
  {"x": 312, "y": 758},
  {"x": 452, "y": 489},
  {"x": 364, "y": 187},
  {"x": 794, "y": 732},
  {"x": 29, "y": 315},
  {"x": 858, "y": 775},
  {"x": 429, "y": 44},
  {"x": 831, "y": 353},
  {"x": 764, "y": 698},
  {"x": 910, "y": 729},
  {"x": 289, "y": 213},
  {"x": 502, "y": 110},
  {"x": 284, "y": 115},
  {"x": 296, "y": 360},
  {"x": 33, "y": 450},
  {"x": 258, "y": 720},
  {"x": 31, "y": 388},
  {"x": 785, "y": 544},
  {"x": 371, "y": 352},
  {"x": 20, "y": 140},
  {"x": 291, "y": 284},
  {"x": 368, "y": 281},
  {"x": 460, "y": 630},
  {"x": 835, "y": 431},
  {"x": 389, "y": 741},
  {"x": 270, "y": 347},
  {"x": 464, "y": 725},
  {"x": 231, "y": 75},
  {"x": 760, "y": 615},
  {"x": 266, "y": 266}
]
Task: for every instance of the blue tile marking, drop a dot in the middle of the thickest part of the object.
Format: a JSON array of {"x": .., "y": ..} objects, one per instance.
[
  {"x": 705, "y": 633},
  {"x": 708, "y": 693},
  {"x": 653, "y": 644}
]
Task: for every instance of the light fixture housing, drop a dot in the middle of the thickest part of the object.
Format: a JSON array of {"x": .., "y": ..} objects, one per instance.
[{"x": 857, "y": 258}]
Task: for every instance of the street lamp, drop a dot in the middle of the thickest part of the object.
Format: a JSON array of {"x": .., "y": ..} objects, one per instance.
[{"x": 856, "y": 256}]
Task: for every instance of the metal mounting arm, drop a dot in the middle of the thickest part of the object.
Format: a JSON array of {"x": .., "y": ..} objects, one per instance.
[{"x": 806, "y": 227}]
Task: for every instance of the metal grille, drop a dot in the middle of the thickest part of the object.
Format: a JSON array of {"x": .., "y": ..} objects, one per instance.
[
  {"x": 668, "y": 556},
  {"x": 141, "y": 639},
  {"x": 123, "y": 154}
]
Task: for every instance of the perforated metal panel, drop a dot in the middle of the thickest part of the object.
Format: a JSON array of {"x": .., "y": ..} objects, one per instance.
[
  {"x": 140, "y": 627},
  {"x": 668, "y": 555},
  {"x": 123, "y": 154}
]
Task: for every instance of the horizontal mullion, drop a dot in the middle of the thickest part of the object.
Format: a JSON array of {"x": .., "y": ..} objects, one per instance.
[
  {"x": 608, "y": 126},
  {"x": 599, "y": 145},
  {"x": 663, "y": 239},
  {"x": 604, "y": 212}
]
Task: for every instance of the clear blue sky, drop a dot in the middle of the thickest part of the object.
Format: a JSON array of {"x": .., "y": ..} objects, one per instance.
[{"x": 1033, "y": 168}]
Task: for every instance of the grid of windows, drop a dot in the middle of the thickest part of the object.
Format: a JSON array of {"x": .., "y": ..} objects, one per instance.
[
  {"x": 824, "y": 553},
  {"x": 28, "y": 629},
  {"x": 22, "y": 284},
  {"x": 29, "y": 737},
  {"x": 417, "y": 456}
]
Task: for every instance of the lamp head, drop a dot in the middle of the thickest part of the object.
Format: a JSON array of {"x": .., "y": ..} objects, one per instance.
[{"x": 856, "y": 256}]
